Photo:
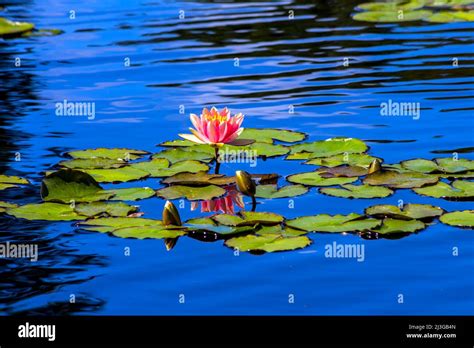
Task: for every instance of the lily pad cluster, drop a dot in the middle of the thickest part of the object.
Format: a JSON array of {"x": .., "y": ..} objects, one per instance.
[
  {"x": 74, "y": 191},
  {"x": 436, "y": 11}
]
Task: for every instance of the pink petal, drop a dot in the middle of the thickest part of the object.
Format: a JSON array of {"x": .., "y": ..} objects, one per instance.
[{"x": 192, "y": 137}]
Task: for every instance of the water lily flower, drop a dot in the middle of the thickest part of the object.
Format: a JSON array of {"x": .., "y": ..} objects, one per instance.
[
  {"x": 215, "y": 127},
  {"x": 223, "y": 204}
]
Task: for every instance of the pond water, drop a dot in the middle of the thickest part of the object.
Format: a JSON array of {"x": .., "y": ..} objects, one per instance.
[{"x": 284, "y": 65}]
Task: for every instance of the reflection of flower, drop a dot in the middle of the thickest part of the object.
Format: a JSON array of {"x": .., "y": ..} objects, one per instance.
[
  {"x": 224, "y": 204},
  {"x": 214, "y": 127}
]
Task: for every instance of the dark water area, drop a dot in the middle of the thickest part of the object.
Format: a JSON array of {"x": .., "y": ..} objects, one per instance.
[{"x": 290, "y": 74}]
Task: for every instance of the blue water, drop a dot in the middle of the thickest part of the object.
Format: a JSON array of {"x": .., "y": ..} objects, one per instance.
[{"x": 190, "y": 62}]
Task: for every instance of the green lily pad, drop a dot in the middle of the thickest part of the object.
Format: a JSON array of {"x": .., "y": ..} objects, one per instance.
[
  {"x": 271, "y": 191},
  {"x": 337, "y": 223},
  {"x": 392, "y": 5},
  {"x": 116, "y": 175},
  {"x": 115, "y": 154},
  {"x": 353, "y": 159},
  {"x": 67, "y": 185},
  {"x": 131, "y": 194},
  {"x": 110, "y": 209},
  {"x": 268, "y": 243},
  {"x": 443, "y": 165},
  {"x": 9, "y": 28},
  {"x": 400, "y": 180},
  {"x": 192, "y": 193},
  {"x": 390, "y": 16},
  {"x": 5, "y": 205},
  {"x": 357, "y": 191},
  {"x": 9, "y": 179},
  {"x": 315, "y": 179},
  {"x": 159, "y": 167},
  {"x": 451, "y": 16},
  {"x": 177, "y": 155},
  {"x": 199, "y": 178},
  {"x": 409, "y": 211},
  {"x": 459, "y": 218},
  {"x": 460, "y": 190},
  {"x": 331, "y": 147},
  {"x": 267, "y": 135},
  {"x": 110, "y": 224},
  {"x": 45, "y": 211},
  {"x": 252, "y": 218},
  {"x": 6, "y": 186},
  {"x": 228, "y": 219},
  {"x": 182, "y": 143},
  {"x": 256, "y": 149},
  {"x": 149, "y": 232},
  {"x": 279, "y": 230},
  {"x": 399, "y": 226},
  {"x": 93, "y": 163},
  {"x": 342, "y": 171},
  {"x": 209, "y": 225}
]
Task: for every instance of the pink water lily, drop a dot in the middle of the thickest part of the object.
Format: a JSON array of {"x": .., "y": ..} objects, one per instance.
[{"x": 215, "y": 127}]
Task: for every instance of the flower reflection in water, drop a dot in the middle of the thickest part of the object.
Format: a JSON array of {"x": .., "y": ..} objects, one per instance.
[{"x": 223, "y": 204}]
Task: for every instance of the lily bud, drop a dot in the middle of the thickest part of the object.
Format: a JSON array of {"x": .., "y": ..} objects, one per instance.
[
  {"x": 245, "y": 183},
  {"x": 170, "y": 243},
  {"x": 171, "y": 215},
  {"x": 375, "y": 166}
]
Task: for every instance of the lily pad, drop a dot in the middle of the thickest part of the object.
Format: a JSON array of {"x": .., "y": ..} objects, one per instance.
[
  {"x": 101, "y": 208},
  {"x": 192, "y": 193},
  {"x": 342, "y": 171},
  {"x": 203, "y": 225},
  {"x": 6, "y": 186},
  {"x": 177, "y": 155},
  {"x": 451, "y": 16},
  {"x": 271, "y": 191},
  {"x": 93, "y": 163},
  {"x": 268, "y": 243},
  {"x": 331, "y": 147},
  {"x": 109, "y": 224},
  {"x": 420, "y": 165},
  {"x": 256, "y": 149},
  {"x": 131, "y": 194},
  {"x": 442, "y": 165},
  {"x": 252, "y": 218},
  {"x": 267, "y": 135},
  {"x": 159, "y": 167},
  {"x": 400, "y": 180},
  {"x": 409, "y": 211},
  {"x": 45, "y": 211},
  {"x": 8, "y": 179},
  {"x": 392, "y": 16},
  {"x": 315, "y": 179},
  {"x": 199, "y": 178},
  {"x": 459, "y": 218},
  {"x": 116, "y": 175},
  {"x": 357, "y": 191},
  {"x": 149, "y": 232},
  {"x": 337, "y": 223},
  {"x": 67, "y": 185},
  {"x": 391, "y": 5},
  {"x": 5, "y": 205},
  {"x": 228, "y": 219},
  {"x": 115, "y": 154},
  {"x": 399, "y": 226},
  {"x": 354, "y": 159},
  {"x": 10, "y": 28},
  {"x": 460, "y": 190},
  {"x": 279, "y": 230}
]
